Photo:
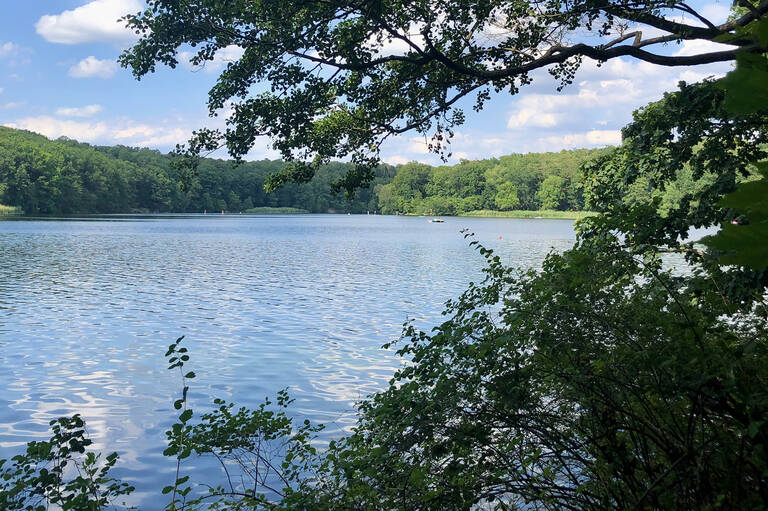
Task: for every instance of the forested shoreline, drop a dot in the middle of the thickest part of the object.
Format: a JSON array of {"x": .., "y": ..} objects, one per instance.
[
  {"x": 42, "y": 176},
  {"x": 63, "y": 176},
  {"x": 529, "y": 182}
]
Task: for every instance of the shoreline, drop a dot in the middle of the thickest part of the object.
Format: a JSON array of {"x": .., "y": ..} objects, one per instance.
[
  {"x": 543, "y": 214},
  {"x": 7, "y": 211}
]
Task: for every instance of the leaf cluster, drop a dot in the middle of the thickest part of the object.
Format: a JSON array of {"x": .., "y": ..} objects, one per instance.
[
  {"x": 336, "y": 79},
  {"x": 61, "y": 473}
]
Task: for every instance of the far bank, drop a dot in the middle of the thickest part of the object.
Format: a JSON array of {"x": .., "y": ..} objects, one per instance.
[{"x": 545, "y": 213}]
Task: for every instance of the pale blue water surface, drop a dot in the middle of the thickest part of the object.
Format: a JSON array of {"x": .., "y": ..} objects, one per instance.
[{"x": 89, "y": 306}]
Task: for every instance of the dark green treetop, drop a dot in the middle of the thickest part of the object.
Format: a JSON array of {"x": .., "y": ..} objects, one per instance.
[{"x": 334, "y": 79}]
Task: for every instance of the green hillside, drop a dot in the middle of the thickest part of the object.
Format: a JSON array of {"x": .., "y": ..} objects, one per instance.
[
  {"x": 65, "y": 177},
  {"x": 42, "y": 176},
  {"x": 534, "y": 181}
]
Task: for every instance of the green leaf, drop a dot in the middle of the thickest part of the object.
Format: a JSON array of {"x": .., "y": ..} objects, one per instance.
[
  {"x": 185, "y": 415},
  {"x": 745, "y": 242},
  {"x": 747, "y": 87}
]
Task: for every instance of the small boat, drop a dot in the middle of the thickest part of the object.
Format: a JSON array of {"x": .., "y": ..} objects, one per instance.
[{"x": 436, "y": 221}]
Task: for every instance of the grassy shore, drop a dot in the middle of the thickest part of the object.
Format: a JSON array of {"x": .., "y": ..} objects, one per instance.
[
  {"x": 276, "y": 211},
  {"x": 547, "y": 213},
  {"x": 9, "y": 210}
]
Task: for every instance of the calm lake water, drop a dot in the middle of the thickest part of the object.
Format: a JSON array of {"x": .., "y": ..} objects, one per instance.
[{"x": 89, "y": 306}]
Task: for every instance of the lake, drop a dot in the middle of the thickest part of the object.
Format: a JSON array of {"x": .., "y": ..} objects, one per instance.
[{"x": 88, "y": 307}]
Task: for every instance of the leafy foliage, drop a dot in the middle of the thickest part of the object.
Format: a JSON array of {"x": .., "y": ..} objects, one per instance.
[
  {"x": 66, "y": 177},
  {"x": 746, "y": 94},
  {"x": 531, "y": 181},
  {"x": 744, "y": 242},
  {"x": 506, "y": 197},
  {"x": 584, "y": 390},
  {"x": 266, "y": 458},
  {"x": 688, "y": 137},
  {"x": 552, "y": 193},
  {"x": 345, "y": 76},
  {"x": 604, "y": 380},
  {"x": 60, "y": 473}
]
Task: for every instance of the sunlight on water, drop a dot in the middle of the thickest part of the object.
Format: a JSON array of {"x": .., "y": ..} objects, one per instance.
[{"x": 88, "y": 308}]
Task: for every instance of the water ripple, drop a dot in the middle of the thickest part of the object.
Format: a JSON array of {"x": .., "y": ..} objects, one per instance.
[{"x": 88, "y": 308}]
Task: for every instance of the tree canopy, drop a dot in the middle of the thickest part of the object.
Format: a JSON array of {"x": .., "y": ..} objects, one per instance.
[
  {"x": 532, "y": 181},
  {"x": 335, "y": 79},
  {"x": 42, "y": 176}
]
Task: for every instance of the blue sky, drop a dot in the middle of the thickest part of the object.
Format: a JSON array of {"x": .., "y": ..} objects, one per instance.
[{"x": 58, "y": 77}]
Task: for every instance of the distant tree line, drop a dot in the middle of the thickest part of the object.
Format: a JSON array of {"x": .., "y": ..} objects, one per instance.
[
  {"x": 42, "y": 176},
  {"x": 63, "y": 176},
  {"x": 531, "y": 181},
  {"x": 66, "y": 177}
]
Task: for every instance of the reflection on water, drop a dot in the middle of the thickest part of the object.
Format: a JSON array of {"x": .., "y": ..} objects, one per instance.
[{"x": 88, "y": 308}]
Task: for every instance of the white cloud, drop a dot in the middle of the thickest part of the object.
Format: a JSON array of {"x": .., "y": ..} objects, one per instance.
[
  {"x": 597, "y": 105},
  {"x": 55, "y": 128},
  {"x": 716, "y": 13},
  {"x": 12, "y": 54},
  {"x": 91, "y": 67},
  {"x": 698, "y": 46},
  {"x": 114, "y": 131},
  {"x": 9, "y": 49},
  {"x": 145, "y": 135},
  {"x": 162, "y": 134},
  {"x": 12, "y": 105},
  {"x": 224, "y": 56},
  {"x": 96, "y": 21},
  {"x": 164, "y": 137},
  {"x": 527, "y": 117},
  {"x": 592, "y": 138},
  {"x": 395, "y": 160},
  {"x": 85, "y": 111},
  {"x": 133, "y": 132}
]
